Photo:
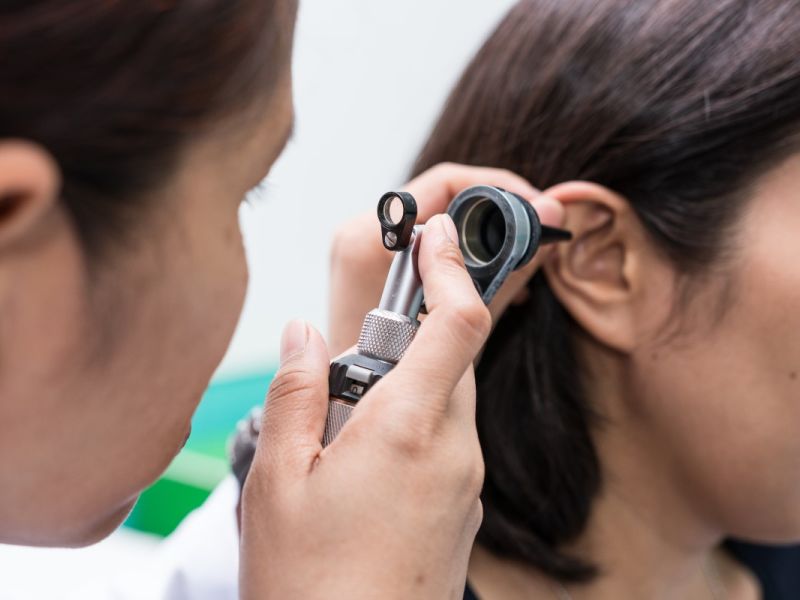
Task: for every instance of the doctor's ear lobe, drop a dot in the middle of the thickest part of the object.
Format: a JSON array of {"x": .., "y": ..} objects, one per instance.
[
  {"x": 595, "y": 276},
  {"x": 30, "y": 183}
]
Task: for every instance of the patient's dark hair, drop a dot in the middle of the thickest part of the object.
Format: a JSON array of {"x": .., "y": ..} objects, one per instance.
[
  {"x": 114, "y": 89},
  {"x": 678, "y": 105}
]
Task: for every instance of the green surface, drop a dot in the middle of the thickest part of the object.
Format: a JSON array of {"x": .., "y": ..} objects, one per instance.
[{"x": 203, "y": 463}]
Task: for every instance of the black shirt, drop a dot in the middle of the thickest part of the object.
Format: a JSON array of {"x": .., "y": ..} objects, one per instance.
[
  {"x": 777, "y": 569},
  {"x": 469, "y": 595}
]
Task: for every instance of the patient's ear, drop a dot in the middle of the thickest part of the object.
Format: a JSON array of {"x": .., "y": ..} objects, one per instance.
[
  {"x": 598, "y": 276},
  {"x": 29, "y": 190}
]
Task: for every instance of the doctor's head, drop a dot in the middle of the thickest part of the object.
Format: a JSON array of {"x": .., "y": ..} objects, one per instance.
[{"x": 129, "y": 133}]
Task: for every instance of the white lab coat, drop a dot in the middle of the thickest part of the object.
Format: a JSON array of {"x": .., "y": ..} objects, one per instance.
[{"x": 199, "y": 561}]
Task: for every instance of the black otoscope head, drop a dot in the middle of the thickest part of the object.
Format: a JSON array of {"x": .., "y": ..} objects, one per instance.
[{"x": 499, "y": 232}]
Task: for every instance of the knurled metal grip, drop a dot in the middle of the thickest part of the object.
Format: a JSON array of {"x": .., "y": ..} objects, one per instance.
[
  {"x": 386, "y": 335},
  {"x": 338, "y": 413}
]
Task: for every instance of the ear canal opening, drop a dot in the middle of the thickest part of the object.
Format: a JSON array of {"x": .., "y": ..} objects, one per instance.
[{"x": 9, "y": 203}]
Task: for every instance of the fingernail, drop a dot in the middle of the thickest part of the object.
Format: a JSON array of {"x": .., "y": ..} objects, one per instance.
[
  {"x": 450, "y": 228},
  {"x": 294, "y": 339}
]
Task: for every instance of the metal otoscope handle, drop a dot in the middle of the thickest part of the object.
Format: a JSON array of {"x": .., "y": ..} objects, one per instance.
[{"x": 388, "y": 330}]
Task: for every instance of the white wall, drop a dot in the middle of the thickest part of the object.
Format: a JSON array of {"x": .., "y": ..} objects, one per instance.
[{"x": 370, "y": 78}]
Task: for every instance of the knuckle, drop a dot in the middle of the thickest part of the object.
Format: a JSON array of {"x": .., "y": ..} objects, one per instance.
[
  {"x": 341, "y": 242},
  {"x": 470, "y": 471},
  {"x": 412, "y": 440},
  {"x": 476, "y": 473},
  {"x": 477, "y": 516},
  {"x": 354, "y": 247},
  {"x": 407, "y": 445},
  {"x": 443, "y": 167},
  {"x": 264, "y": 476},
  {"x": 338, "y": 234},
  {"x": 290, "y": 381},
  {"x": 473, "y": 319},
  {"x": 259, "y": 478},
  {"x": 450, "y": 253}
]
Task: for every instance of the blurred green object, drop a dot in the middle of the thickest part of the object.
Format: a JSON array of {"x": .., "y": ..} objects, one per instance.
[{"x": 203, "y": 463}]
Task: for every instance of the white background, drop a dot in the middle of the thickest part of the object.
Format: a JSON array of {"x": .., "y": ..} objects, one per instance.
[{"x": 370, "y": 79}]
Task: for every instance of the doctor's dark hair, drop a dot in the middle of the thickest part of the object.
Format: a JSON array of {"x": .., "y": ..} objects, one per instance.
[
  {"x": 114, "y": 89},
  {"x": 677, "y": 105}
]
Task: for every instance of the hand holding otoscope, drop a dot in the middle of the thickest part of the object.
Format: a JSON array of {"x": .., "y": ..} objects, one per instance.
[{"x": 498, "y": 233}]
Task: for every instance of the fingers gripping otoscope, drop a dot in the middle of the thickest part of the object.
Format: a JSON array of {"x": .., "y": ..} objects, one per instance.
[{"x": 499, "y": 232}]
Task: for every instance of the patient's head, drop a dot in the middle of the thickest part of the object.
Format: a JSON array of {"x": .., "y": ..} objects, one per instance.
[{"x": 660, "y": 346}]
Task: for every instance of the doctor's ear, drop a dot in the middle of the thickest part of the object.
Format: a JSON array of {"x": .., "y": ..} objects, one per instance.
[
  {"x": 601, "y": 277},
  {"x": 29, "y": 190}
]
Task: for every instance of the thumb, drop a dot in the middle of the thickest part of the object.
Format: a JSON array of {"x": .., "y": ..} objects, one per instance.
[
  {"x": 456, "y": 326},
  {"x": 297, "y": 403}
]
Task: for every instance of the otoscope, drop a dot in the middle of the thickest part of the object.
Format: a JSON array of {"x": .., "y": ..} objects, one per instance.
[{"x": 498, "y": 232}]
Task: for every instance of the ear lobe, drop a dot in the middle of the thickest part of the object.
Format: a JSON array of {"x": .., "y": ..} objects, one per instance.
[
  {"x": 594, "y": 275},
  {"x": 29, "y": 189}
]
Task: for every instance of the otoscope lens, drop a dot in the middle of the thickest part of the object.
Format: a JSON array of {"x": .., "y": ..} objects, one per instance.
[
  {"x": 393, "y": 210},
  {"x": 493, "y": 232},
  {"x": 499, "y": 232},
  {"x": 483, "y": 232}
]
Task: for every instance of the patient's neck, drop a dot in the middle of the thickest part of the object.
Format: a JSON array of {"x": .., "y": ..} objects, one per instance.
[
  {"x": 644, "y": 534},
  {"x": 643, "y": 544},
  {"x": 639, "y": 552}
]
